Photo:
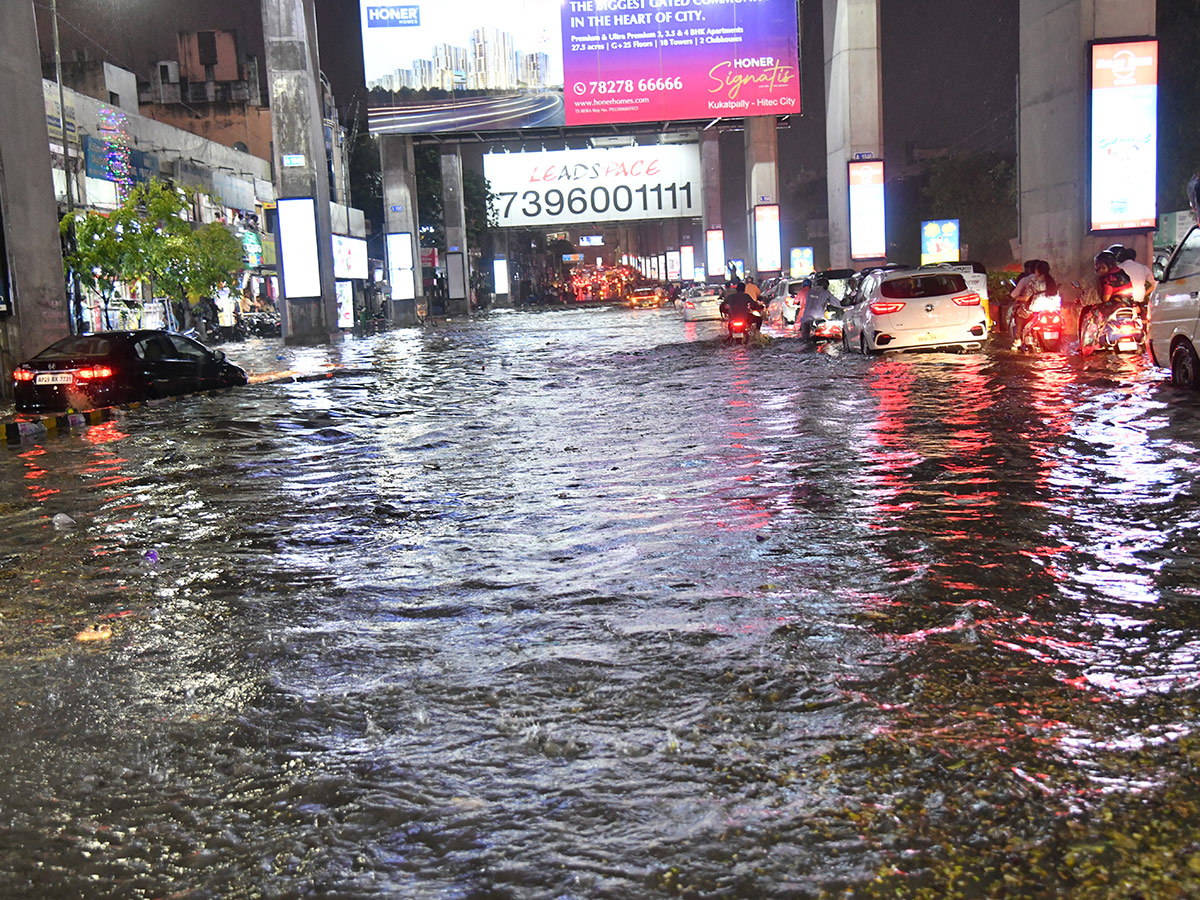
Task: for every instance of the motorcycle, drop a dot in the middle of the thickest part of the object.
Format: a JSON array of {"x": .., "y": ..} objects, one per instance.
[
  {"x": 828, "y": 328},
  {"x": 1122, "y": 329},
  {"x": 1044, "y": 328},
  {"x": 738, "y": 330}
]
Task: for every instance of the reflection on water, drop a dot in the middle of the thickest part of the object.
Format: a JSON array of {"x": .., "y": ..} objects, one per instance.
[{"x": 588, "y": 604}]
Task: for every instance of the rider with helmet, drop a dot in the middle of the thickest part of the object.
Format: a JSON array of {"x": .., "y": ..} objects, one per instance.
[
  {"x": 1039, "y": 283},
  {"x": 1111, "y": 281}
]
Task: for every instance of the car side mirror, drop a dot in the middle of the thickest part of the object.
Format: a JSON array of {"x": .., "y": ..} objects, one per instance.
[
  {"x": 219, "y": 355},
  {"x": 1159, "y": 270}
]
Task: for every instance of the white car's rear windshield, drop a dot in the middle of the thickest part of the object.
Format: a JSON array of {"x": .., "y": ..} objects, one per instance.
[{"x": 917, "y": 286}]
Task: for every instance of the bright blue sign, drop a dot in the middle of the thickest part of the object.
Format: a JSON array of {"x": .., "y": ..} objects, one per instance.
[{"x": 393, "y": 16}]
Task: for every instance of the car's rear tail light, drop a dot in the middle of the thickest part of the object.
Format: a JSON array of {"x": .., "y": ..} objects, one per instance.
[
  {"x": 23, "y": 374},
  {"x": 91, "y": 373},
  {"x": 688, "y": 304},
  {"x": 882, "y": 340},
  {"x": 971, "y": 299},
  {"x": 977, "y": 330},
  {"x": 886, "y": 307}
]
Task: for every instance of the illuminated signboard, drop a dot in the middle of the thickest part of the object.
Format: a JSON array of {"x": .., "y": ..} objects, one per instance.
[
  {"x": 298, "y": 247},
  {"x": 477, "y": 65},
  {"x": 868, "y": 231},
  {"x": 500, "y": 276},
  {"x": 349, "y": 257},
  {"x": 674, "y": 265},
  {"x": 687, "y": 262},
  {"x": 801, "y": 262},
  {"x": 1124, "y": 139},
  {"x": 604, "y": 185},
  {"x": 714, "y": 244},
  {"x": 401, "y": 276},
  {"x": 345, "y": 304},
  {"x": 768, "y": 253},
  {"x": 591, "y": 240},
  {"x": 939, "y": 241}
]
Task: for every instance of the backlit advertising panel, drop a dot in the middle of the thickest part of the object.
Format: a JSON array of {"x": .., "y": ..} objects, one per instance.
[
  {"x": 687, "y": 262},
  {"x": 478, "y": 65},
  {"x": 801, "y": 260},
  {"x": 1124, "y": 135},
  {"x": 939, "y": 241},
  {"x": 768, "y": 253},
  {"x": 674, "y": 265},
  {"x": 714, "y": 246},
  {"x": 298, "y": 247},
  {"x": 616, "y": 184},
  {"x": 401, "y": 275},
  {"x": 349, "y": 257},
  {"x": 868, "y": 231}
]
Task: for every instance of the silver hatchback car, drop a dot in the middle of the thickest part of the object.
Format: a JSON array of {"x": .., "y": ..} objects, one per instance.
[{"x": 914, "y": 309}]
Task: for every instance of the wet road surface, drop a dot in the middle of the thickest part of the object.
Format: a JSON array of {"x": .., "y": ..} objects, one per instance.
[{"x": 585, "y": 604}]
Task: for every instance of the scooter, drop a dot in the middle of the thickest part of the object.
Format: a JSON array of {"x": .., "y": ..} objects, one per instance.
[
  {"x": 828, "y": 328},
  {"x": 1044, "y": 327},
  {"x": 1123, "y": 330},
  {"x": 738, "y": 330}
]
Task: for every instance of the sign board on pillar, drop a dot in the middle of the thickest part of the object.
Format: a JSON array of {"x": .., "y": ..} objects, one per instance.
[
  {"x": 299, "y": 258},
  {"x": 714, "y": 245},
  {"x": 768, "y": 250},
  {"x": 456, "y": 275},
  {"x": 401, "y": 274},
  {"x": 868, "y": 224},
  {"x": 1124, "y": 135}
]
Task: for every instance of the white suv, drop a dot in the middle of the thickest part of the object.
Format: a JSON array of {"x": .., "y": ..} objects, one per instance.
[
  {"x": 914, "y": 309},
  {"x": 1175, "y": 311}
]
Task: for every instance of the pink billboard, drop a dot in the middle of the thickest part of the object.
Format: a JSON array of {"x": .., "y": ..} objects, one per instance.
[
  {"x": 658, "y": 60},
  {"x": 479, "y": 65}
]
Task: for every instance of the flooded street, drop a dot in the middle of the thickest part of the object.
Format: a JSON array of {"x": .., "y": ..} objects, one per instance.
[{"x": 586, "y": 604}]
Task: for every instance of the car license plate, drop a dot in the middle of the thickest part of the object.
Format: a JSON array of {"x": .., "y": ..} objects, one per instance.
[
  {"x": 1126, "y": 345},
  {"x": 53, "y": 378},
  {"x": 1050, "y": 335},
  {"x": 926, "y": 338}
]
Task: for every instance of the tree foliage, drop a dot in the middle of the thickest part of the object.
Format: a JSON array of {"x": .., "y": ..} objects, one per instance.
[
  {"x": 980, "y": 190},
  {"x": 148, "y": 238}
]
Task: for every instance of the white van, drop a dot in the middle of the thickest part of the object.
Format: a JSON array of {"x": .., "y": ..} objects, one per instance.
[{"x": 1175, "y": 314}]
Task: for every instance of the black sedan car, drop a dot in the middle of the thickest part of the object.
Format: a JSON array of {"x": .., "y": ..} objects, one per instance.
[{"x": 89, "y": 371}]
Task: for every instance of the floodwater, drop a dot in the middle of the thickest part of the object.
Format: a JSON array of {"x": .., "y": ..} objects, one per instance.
[{"x": 586, "y": 604}]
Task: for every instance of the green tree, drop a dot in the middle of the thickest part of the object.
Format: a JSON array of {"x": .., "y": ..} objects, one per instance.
[
  {"x": 149, "y": 239},
  {"x": 980, "y": 190}
]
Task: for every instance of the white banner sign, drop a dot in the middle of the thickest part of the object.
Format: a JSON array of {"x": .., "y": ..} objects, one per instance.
[{"x": 620, "y": 184}]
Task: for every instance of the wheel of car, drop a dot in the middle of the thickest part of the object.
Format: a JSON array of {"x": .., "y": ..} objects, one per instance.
[
  {"x": 862, "y": 344},
  {"x": 1185, "y": 366},
  {"x": 845, "y": 339}
]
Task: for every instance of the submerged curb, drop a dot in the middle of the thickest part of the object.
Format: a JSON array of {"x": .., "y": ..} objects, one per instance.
[{"x": 43, "y": 426}]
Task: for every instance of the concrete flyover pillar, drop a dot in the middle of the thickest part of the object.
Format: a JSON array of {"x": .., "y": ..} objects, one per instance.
[
  {"x": 34, "y": 291},
  {"x": 301, "y": 169},
  {"x": 853, "y": 106},
  {"x": 1053, "y": 127},
  {"x": 762, "y": 177},
  {"x": 458, "y": 264},
  {"x": 401, "y": 216},
  {"x": 710, "y": 164}
]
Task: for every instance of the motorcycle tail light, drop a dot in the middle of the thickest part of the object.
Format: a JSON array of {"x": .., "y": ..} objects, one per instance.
[
  {"x": 737, "y": 325},
  {"x": 971, "y": 299},
  {"x": 94, "y": 373},
  {"x": 885, "y": 307},
  {"x": 23, "y": 374}
]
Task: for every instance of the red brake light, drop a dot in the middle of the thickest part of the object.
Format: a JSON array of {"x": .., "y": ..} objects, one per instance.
[
  {"x": 885, "y": 307},
  {"x": 971, "y": 299},
  {"x": 688, "y": 304},
  {"x": 94, "y": 372},
  {"x": 737, "y": 325},
  {"x": 23, "y": 374}
]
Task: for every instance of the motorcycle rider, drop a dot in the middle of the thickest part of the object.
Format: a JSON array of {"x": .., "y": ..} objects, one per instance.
[
  {"x": 819, "y": 297},
  {"x": 1110, "y": 279},
  {"x": 739, "y": 304},
  {"x": 1038, "y": 283},
  {"x": 1141, "y": 278}
]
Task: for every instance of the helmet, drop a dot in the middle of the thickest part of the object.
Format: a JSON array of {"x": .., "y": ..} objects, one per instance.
[
  {"x": 1106, "y": 258},
  {"x": 1121, "y": 253}
]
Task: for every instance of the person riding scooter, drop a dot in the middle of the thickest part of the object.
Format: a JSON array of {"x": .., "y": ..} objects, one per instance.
[
  {"x": 1039, "y": 284},
  {"x": 740, "y": 305},
  {"x": 1112, "y": 286}
]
